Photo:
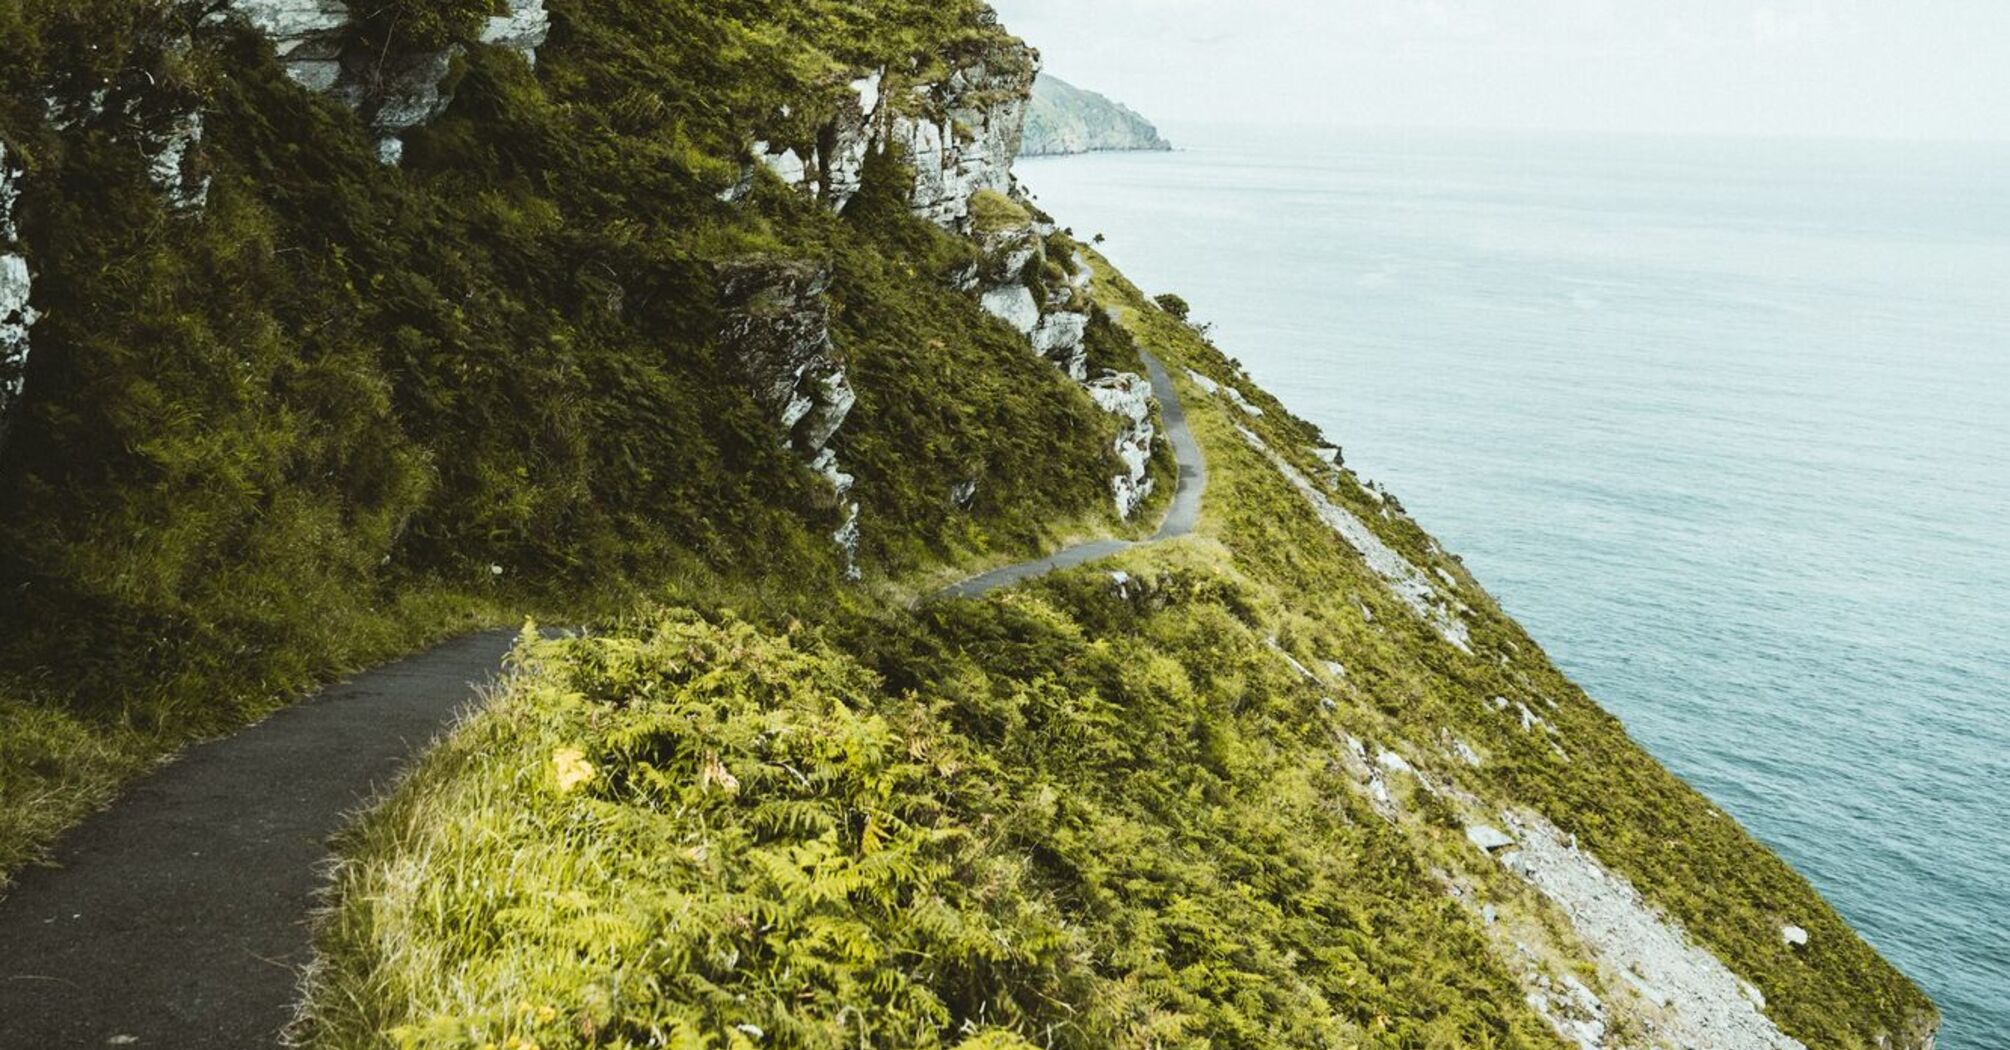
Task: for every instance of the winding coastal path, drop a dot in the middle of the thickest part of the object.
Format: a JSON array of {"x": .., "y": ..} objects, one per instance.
[
  {"x": 179, "y": 918},
  {"x": 1179, "y": 521}
]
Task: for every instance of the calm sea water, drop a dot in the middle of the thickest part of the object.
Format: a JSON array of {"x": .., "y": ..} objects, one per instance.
[{"x": 1725, "y": 424}]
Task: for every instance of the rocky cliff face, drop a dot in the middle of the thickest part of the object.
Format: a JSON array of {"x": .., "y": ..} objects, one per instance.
[
  {"x": 961, "y": 135},
  {"x": 315, "y": 41},
  {"x": 1063, "y": 119},
  {"x": 16, "y": 288},
  {"x": 778, "y": 335}
]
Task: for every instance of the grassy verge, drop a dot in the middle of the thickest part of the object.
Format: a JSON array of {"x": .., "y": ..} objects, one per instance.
[{"x": 60, "y": 761}]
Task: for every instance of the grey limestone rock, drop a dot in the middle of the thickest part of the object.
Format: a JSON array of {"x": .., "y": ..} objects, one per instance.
[
  {"x": 1128, "y": 396},
  {"x": 17, "y": 315}
]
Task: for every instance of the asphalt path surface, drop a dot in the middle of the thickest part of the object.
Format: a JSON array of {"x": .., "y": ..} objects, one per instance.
[{"x": 179, "y": 918}]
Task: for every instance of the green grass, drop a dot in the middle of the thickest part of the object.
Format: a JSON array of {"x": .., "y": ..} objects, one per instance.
[
  {"x": 993, "y": 212},
  {"x": 55, "y": 769},
  {"x": 693, "y": 830}
]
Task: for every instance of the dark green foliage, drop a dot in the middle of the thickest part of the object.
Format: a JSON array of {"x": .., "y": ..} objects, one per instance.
[{"x": 1174, "y": 306}]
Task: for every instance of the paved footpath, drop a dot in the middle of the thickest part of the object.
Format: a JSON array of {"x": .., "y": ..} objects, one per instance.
[
  {"x": 1180, "y": 518},
  {"x": 179, "y": 917}
]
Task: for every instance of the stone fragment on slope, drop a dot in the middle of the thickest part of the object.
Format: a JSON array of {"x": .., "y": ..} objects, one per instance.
[
  {"x": 1488, "y": 838},
  {"x": 172, "y": 164},
  {"x": 523, "y": 28}
]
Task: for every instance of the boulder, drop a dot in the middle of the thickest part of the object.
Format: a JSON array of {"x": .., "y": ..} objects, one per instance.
[
  {"x": 1014, "y": 304},
  {"x": 1062, "y": 337}
]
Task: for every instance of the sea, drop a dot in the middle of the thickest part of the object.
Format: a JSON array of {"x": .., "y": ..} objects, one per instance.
[{"x": 1724, "y": 423}]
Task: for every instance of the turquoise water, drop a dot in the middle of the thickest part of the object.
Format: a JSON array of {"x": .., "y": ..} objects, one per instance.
[{"x": 1725, "y": 424}]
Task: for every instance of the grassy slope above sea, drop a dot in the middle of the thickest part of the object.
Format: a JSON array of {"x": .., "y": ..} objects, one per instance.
[{"x": 1084, "y": 813}]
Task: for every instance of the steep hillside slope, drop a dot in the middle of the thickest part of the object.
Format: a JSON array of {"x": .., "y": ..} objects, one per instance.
[
  {"x": 1064, "y": 119},
  {"x": 725, "y": 325},
  {"x": 275, "y": 407}
]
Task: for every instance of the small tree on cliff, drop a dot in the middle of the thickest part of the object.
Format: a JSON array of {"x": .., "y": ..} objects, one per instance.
[{"x": 1174, "y": 305}]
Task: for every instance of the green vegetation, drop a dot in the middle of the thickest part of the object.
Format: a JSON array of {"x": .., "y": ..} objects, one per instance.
[
  {"x": 1083, "y": 813},
  {"x": 1086, "y": 821},
  {"x": 992, "y": 212}
]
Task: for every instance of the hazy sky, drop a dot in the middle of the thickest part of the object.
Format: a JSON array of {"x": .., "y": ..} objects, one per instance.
[{"x": 1849, "y": 68}]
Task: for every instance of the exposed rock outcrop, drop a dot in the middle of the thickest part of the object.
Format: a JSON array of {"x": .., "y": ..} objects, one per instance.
[
  {"x": 1699, "y": 1000},
  {"x": 960, "y": 135},
  {"x": 777, "y": 334},
  {"x": 1015, "y": 305},
  {"x": 833, "y": 168},
  {"x": 307, "y": 35},
  {"x": 314, "y": 40},
  {"x": 17, "y": 316},
  {"x": 964, "y": 136},
  {"x": 1064, "y": 119},
  {"x": 1404, "y": 579},
  {"x": 175, "y": 167},
  {"x": 1128, "y": 396},
  {"x": 1060, "y": 337}
]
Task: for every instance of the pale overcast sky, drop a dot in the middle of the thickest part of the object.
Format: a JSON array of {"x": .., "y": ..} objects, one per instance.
[{"x": 1928, "y": 69}]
